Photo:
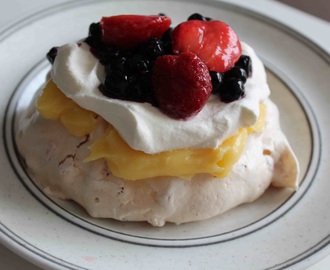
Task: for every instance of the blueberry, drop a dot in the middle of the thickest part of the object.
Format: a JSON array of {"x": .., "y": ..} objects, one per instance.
[
  {"x": 107, "y": 54},
  {"x": 167, "y": 36},
  {"x": 245, "y": 62},
  {"x": 109, "y": 68},
  {"x": 115, "y": 85},
  {"x": 232, "y": 87},
  {"x": 95, "y": 31},
  {"x": 137, "y": 64},
  {"x": 197, "y": 16},
  {"x": 51, "y": 55},
  {"x": 119, "y": 64},
  {"x": 122, "y": 86},
  {"x": 119, "y": 80},
  {"x": 217, "y": 79},
  {"x": 152, "y": 48},
  {"x": 167, "y": 41},
  {"x": 236, "y": 72},
  {"x": 139, "y": 88},
  {"x": 231, "y": 90},
  {"x": 94, "y": 38}
]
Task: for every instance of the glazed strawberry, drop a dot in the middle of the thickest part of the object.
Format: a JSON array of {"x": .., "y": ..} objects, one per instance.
[
  {"x": 128, "y": 31},
  {"x": 215, "y": 43},
  {"x": 181, "y": 84}
]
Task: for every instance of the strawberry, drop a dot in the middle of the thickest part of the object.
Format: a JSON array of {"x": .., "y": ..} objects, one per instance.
[
  {"x": 214, "y": 42},
  {"x": 181, "y": 84},
  {"x": 128, "y": 31}
]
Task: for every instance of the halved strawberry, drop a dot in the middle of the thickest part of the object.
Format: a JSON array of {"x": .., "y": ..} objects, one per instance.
[
  {"x": 215, "y": 43},
  {"x": 181, "y": 84},
  {"x": 128, "y": 31}
]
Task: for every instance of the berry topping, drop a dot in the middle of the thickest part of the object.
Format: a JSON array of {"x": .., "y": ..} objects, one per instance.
[
  {"x": 197, "y": 16},
  {"x": 152, "y": 48},
  {"x": 230, "y": 85},
  {"x": 216, "y": 78},
  {"x": 52, "y": 54},
  {"x": 245, "y": 63},
  {"x": 214, "y": 42},
  {"x": 128, "y": 78},
  {"x": 167, "y": 41},
  {"x": 95, "y": 31},
  {"x": 238, "y": 73},
  {"x": 176, "y": 70},
  {"x": 231, "y": 90},
  {"x": 128, "y": 31},
  {"x": 181, "y": 84}
]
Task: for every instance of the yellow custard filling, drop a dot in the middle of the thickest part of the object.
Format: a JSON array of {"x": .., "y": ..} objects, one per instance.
[
  {"x": 53, "y": 104},
  {"x": 125, "y": 162}
]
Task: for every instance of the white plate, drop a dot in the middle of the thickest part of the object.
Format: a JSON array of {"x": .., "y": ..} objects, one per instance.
[{"x": 280, "y": 230}]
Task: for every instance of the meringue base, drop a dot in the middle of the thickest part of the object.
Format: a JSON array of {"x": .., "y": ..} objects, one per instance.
[{"x": 54, "y": 159}]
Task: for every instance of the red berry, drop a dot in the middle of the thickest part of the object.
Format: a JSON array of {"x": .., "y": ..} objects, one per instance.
[
  {"x": 214, "y": 42},
  {"x": 181, "y": 84},
  {"x": 128, "y": 31}
]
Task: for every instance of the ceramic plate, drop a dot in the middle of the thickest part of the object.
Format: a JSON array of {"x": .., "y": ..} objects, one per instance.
[{"x": 281, "y": 229}]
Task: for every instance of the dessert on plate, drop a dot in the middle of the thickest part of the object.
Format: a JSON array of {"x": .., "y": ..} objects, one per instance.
[{"x": 141, "y": 121}]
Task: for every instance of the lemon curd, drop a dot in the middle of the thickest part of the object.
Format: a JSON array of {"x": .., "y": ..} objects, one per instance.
[{"x": 127, "y": 163}]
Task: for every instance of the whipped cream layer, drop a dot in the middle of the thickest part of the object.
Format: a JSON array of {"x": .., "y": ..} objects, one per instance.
[{"x": 78, "y": 74}]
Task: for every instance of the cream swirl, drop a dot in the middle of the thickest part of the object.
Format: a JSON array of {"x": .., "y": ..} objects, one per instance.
[{"x": 78, "y": 74}]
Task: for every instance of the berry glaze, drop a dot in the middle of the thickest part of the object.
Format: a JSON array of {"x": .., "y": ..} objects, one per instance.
[{"x": 119, "y": 84}]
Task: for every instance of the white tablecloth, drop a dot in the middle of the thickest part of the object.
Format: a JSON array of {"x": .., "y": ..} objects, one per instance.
[{"x": 13, "y": 10}]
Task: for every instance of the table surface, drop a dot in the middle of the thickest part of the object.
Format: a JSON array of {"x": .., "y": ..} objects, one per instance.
[{"x": 314, "y": 14}]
